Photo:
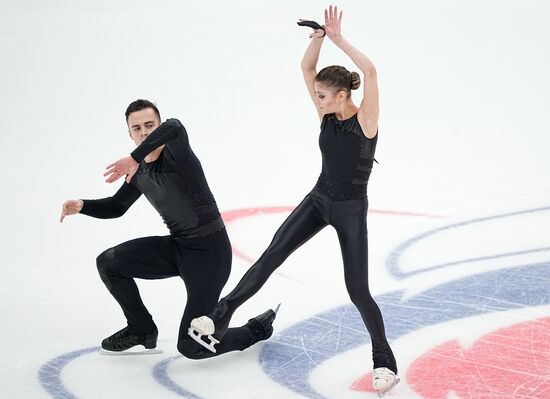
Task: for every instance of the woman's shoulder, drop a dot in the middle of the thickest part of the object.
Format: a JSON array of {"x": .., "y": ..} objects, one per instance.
[{"x": 355, "y": 126}]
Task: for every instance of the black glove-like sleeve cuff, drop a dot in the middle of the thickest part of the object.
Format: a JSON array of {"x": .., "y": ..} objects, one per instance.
[{"x": 313, "y": 25}]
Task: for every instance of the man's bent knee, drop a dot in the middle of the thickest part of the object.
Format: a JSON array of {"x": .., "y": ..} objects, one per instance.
[{"x": 104, "y": 264}]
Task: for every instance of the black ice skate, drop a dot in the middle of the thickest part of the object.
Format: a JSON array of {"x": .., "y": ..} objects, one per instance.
[
  {"x": 384, "y": 376},
  {"x": 122, "y": 341},
  {"x": 262, "y": 325}
]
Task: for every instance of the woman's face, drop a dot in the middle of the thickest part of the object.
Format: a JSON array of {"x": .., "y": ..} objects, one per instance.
[{"x": 326, "y": 100}]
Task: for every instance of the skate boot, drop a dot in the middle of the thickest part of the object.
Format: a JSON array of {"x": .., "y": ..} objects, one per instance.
[
  {"x": 123, "y": 340},
  {"x": 384, "y": 376},
  {"x": 262, "y": 325},
  {"x": 211, "y": 327}
]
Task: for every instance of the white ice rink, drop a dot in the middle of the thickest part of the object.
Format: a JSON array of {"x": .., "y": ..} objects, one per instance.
[{"x": 459, "y": 202}]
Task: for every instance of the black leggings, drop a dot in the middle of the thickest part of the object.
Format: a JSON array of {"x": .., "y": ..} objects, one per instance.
[
  {"x": 204, "y": 265},
  {"x": 314, "y": 213}
]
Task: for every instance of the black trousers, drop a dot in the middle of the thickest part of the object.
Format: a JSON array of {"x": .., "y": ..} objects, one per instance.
[
  {"x": 315, "y": 212},
  {"x": 204, "y": 265}
]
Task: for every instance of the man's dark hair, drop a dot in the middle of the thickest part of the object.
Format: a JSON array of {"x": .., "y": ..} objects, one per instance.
[{"x": 139, "y": 105}]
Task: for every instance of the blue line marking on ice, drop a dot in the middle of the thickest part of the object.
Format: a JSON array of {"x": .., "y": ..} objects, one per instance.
[
  {"x": 160, "y": 374},
  {"x": 290, "y": 356},
  {"x": 49, "y": 374},
  {"x": 392, "y": 262}
]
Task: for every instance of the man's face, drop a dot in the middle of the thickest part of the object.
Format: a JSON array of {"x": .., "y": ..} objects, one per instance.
[{"x": 141, "y": 124}]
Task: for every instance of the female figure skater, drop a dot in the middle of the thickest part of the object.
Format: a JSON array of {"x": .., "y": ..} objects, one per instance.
[{"x": 347, "y": 140}]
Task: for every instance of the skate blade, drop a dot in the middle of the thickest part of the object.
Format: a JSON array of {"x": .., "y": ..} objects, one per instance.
[
  {"x": 197, "y": 337},
  {"x": 130, "y": 352},
  {"x": 386, "y": 390}
]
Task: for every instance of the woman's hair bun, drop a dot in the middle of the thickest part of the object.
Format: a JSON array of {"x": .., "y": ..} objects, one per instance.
[{"x": 355, "y": 80}]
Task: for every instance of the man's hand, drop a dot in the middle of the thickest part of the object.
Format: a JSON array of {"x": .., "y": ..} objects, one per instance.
[
  {"x": 125, "y": 166},
  {"x": 71, "y": 207}
]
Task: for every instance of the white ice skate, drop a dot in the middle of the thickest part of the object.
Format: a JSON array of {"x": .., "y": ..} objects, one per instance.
[
  {"x": 383, "y": 380},
  {"x": 203, "y": 327}
]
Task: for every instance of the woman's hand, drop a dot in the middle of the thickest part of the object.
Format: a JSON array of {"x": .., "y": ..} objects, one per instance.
[
  {"x": 125, "y": 166},
  {"x": 333, "y": 22}
]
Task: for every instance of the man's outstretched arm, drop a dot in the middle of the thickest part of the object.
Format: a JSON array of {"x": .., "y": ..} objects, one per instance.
[{"x": 105, "y": 208}]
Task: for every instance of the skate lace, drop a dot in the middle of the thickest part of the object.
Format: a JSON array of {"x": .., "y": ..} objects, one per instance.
[
  {"x": 257, "y": 328},
  {"x": 120, "y": 335}
]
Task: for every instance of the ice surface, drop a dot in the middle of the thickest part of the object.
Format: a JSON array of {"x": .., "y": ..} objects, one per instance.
[{"x": 460, "y": 204}]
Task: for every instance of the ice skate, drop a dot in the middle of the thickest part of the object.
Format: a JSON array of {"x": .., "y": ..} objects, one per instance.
[
  {"x": 131, "y": 352},
  {"x": 211, "y": 327},
  {"x": 262, "y": 325},
  {"x": 384, "y": 376},
  {"x": 201, "y": 329},
  {"x": 383, "y": 380},
  {"x": 123, "y": 342}
]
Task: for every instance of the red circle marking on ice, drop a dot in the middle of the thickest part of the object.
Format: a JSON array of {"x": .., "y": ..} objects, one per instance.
[{"x": 512, "y": 363}]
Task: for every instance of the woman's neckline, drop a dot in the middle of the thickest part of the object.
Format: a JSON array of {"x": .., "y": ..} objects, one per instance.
[{"x": 347, "y": 119}]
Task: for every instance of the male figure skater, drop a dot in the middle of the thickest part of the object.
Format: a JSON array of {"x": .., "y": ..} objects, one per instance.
[{"x": 164, "y": 168}]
